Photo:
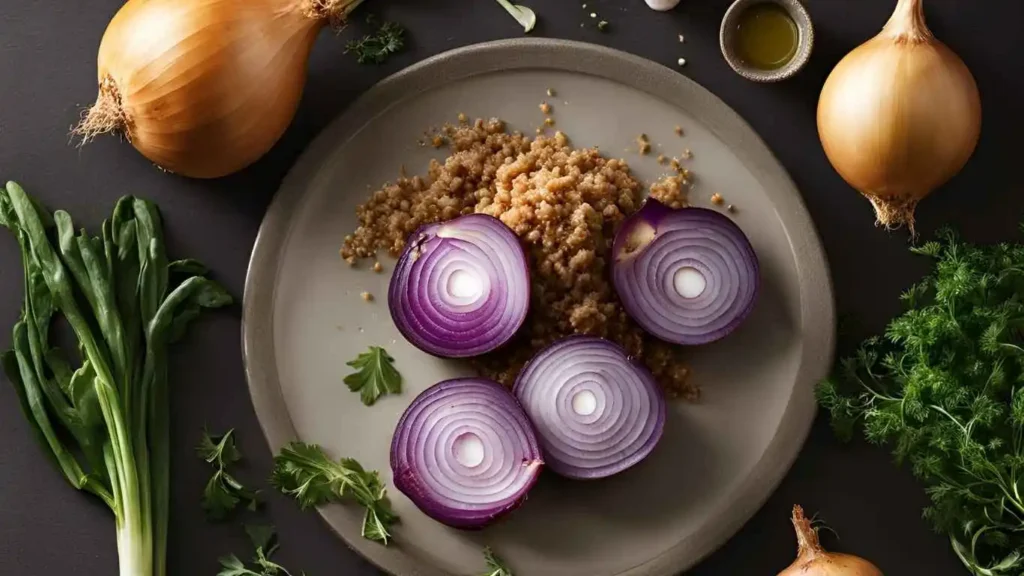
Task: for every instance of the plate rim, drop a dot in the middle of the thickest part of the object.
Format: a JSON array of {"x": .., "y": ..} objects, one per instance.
[{"x": 817, "y": 307}]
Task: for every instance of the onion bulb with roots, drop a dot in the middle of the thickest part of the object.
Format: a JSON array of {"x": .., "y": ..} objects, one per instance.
[
  {"x": 813, "y": 560},
  {"x": 204, "y": 88},
  {"x": 900, "y": 115}
]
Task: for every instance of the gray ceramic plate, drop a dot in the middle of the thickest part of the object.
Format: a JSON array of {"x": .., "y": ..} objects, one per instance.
[{"x": 719, "y": 459}]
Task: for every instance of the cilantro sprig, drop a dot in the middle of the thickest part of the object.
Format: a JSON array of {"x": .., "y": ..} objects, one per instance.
[
  {"x": 944, "y": 388},
  {"x": 223, "y": 493},
  {"x": 306, "y": 473},
  {"x": 376, "y": 375}
]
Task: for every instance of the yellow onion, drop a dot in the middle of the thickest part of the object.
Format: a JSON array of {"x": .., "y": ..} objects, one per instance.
[
  {"x": 900, "y": 115},
  {"x": 813, "y": 560},
  {"x": 204, "y": 88}
]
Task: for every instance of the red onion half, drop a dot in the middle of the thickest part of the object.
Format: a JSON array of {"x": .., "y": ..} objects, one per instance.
[
  {"x": 687, "y": 276},
  {"x": 465, "y": 453},
  {"x": 597, "y": 411},
  {"x": 461, "y": 288}
]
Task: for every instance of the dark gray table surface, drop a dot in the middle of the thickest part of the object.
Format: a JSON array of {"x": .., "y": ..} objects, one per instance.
[{"x": 47, "y": 73}]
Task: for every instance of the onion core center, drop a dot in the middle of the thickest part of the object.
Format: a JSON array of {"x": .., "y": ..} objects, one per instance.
[
  {"x": 469, "y": 450},
  {"x": 584, "y": 403},
  {"x": 465, "y": 285},
  {"x": 689, "y": 282}
]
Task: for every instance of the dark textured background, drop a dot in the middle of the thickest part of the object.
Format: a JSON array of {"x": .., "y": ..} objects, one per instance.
[{"x": 47, "y": 73}]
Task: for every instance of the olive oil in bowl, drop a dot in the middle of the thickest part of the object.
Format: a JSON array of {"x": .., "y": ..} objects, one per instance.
[{"x": 766, "y": 36}]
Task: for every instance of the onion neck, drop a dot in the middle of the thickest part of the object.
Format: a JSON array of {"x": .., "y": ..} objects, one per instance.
[
  {"x": 907, "y": 23},
  {"x": 808, "y": 545}
]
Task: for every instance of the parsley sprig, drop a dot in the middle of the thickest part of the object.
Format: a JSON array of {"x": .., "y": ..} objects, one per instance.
[
  {"x": 944, "y": 387},
  {"x": 223, "y": 493},
  {"x": 264, "y": 539},
  {"x": 305, "y": 472},
  {"x": 376, "y": 375}
]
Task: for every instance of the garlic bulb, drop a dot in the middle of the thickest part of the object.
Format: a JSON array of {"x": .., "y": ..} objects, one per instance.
[{"x": 662, "y": 5}]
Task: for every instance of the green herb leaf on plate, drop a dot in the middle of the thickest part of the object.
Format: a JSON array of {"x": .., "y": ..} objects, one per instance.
[
  {"x": 376, "y": 375},
  {"x": 306, "y": 473}
]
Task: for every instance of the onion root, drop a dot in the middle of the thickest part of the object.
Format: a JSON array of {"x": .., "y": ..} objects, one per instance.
[
  {"x": 334, "y": 12},
  {"x": 894, "y": 212},
  {"x": 105, "y": 116}
]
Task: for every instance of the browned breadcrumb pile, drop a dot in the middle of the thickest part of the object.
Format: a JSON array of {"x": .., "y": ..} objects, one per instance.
[{"x": 564, "y": 203}]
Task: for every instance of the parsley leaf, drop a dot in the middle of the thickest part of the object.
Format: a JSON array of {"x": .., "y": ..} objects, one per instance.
[
  {"x": 306, "y": 473},
  {"x": 944, "y": 389},
  {"x": 375, "y": 48},
  {"x": 223, "y": 493},
  {"x": 264, "y": 539},
  {"x": 495, "y": 565},
  {"x": 376, "y": 375},
  {"x": 219, "y": 450}
]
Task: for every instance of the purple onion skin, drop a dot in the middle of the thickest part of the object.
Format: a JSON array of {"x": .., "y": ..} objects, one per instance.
[
  {"x": 556, "y": 449},
  {"x": 713, "y": 238},
  {"x": 439, "y": 328},
  {"x": 413, "y": 479}
]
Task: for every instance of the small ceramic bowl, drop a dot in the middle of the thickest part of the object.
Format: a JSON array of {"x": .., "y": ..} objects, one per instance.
[{"x": 730, "y": 24}]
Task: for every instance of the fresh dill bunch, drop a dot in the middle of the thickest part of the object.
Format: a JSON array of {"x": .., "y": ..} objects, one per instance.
[{"x": 944, "y": 389}]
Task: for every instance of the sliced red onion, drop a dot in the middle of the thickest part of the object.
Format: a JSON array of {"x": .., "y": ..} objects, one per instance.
[
  {"x": 465, "y": 453},
  {"x": 461, "y": 288},
  {"x": 597, "y": 411},
  {"x": 687, "y": 276}
]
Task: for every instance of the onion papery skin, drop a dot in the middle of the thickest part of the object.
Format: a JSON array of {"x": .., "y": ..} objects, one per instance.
[
  {"x": 626, "y": 418},
  {"x": 899, "y": 116},
  {"x": 656, "y": 244},
  {"x": 425, "y": 305},
  {"x": 204, "y": 88},
  {"x": 425, "y": 444}
]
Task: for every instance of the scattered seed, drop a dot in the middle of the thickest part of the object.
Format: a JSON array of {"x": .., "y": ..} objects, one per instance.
[
  {"x": 717, "y": 199},
  {"x": 602, "y": 25},
  {"x": 551, "y": 93},
  {"x": 730, "y": 208},
  {"x": 377, "y": 267},
  {"x": 367, "y": 296},
  {"x": 593, "y": 14},
  {"x": 682, "y": 61},
  {"x": 681, "y": 39},
  {"x": 584, "y": 6},
  {"x": 545, "y": 107}
]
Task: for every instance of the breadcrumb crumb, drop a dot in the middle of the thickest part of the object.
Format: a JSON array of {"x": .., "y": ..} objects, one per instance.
[
  {"x": 366, "y": 296},
  {"x": 717, "y": 199},
  {"x": 377, "y": 267},
  {"x": 679, "y": 130},
  {"x": 545, "y": 108}
]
